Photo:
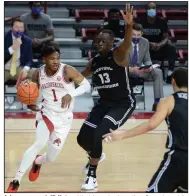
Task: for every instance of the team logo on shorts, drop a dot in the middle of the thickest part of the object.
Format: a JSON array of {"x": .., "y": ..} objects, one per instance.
[
  {"x": 59, "y": 78},
  {"x": 57, "y": 141}
]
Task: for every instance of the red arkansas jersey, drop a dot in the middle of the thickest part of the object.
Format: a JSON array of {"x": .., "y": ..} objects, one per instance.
[{"x": 53, "y": 88}]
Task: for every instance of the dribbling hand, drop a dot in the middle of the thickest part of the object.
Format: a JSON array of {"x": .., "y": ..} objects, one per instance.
[
  {"x": 33, "y": 108},
  {"x": 66, "y": 100}
]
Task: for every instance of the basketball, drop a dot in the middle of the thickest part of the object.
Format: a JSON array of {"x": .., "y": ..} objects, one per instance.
[{"x": 27, "y": 92}]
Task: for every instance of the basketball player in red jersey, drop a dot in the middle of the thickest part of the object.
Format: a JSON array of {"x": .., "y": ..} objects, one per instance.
[{"x": 57, "y": 84}]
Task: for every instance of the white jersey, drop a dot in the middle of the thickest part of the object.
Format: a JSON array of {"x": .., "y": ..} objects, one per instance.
[{"x": 53, "y": 88}]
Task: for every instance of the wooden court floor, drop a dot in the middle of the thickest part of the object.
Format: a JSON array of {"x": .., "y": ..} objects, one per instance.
[{"x": 129, "y": 164}]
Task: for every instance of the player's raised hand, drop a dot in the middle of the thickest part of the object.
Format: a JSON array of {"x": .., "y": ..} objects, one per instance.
[
  {"x": 113, "y": 136},
  {"x": 130, "y": 13},
  {"x": 66, "y": 100}
]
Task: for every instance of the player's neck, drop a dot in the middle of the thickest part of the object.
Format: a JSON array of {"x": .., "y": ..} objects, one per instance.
[
  {"x": 181, "y": 89},
  {"x": 49, "y": 72},
  {"x": 104, "y": 54}
]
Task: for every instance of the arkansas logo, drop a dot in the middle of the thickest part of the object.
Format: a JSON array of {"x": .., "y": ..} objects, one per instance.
[
  {"x": 59, "y": 78},
  {"x": 57, "y": 141}
]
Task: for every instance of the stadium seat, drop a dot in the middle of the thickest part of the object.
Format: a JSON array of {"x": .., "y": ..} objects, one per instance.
[
  {"x": 89, "y": 33},
  {"x": 182, "y": 55},
  {"x": 178, "y": 34},
  {"x": 175, "y": 14},
  {"x": 90, "y": 14}
]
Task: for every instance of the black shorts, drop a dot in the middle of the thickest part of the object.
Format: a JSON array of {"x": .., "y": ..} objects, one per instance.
[
  {"x": 114, "y": 116},
  {"x": 172, "y": 173}
]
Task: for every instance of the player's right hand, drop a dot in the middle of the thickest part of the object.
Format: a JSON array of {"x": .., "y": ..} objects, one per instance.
[
  {"x": 33, "y": 108},
  {"x": 112, "y": 136},
  {"x": 66, "y": 100}
]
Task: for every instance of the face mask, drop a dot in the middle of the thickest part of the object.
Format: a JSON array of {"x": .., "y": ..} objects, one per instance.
[
  {"x": 135, "y": 40},
  {"x": 151, "y": 13},
  {"x": 17, "y": 33},
  {"x": 114, "y": 22},
  {"x": 36, "y": 10}
]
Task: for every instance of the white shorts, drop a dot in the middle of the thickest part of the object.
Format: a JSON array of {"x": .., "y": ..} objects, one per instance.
[{"x": 58, "y": 124}]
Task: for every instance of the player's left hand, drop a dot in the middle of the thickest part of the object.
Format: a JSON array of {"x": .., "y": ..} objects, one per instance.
[
  {"x": 24, "y": 74},
  {"x": 66, "y": 100},
  {"x": 130, "y": 13},
  {"x": 113, "y": 136}
]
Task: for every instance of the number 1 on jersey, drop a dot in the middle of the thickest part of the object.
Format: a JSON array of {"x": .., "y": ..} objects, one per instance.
[{"x": 54, "y": 94}]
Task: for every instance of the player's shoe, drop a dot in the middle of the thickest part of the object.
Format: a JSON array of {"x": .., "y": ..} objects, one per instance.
[
  {"x": 90, "y": 183},
  {"x": 86, "y": 167},
  {"x": 13, "y": 186},
  {"x": 34, "y": 172}
]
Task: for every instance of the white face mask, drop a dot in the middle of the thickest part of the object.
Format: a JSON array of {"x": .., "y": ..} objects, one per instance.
[{"x": 151, "y": 13}]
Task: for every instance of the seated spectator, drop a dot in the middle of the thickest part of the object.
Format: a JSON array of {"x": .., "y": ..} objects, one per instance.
[
  {"x": 38, "y": 26},
  {"x": 114, "y": 24},
  {"x": 138, "y": 56},
  {"x": 156, "y": 31},
  {"x": 17, "y": 52}
]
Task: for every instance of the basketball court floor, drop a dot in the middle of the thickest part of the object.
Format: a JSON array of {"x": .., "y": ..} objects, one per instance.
[{"x": 128, "y": 167}]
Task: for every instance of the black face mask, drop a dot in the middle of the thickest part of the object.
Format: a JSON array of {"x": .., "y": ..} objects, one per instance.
[{"x": 114, "y": 23}]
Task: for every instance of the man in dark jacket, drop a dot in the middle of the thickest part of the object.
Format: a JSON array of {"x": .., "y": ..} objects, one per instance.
[{"x": 17, "y": 52}]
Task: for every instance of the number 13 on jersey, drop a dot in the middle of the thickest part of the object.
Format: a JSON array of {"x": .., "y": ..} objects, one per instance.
[{"x": 105, "y": 78}]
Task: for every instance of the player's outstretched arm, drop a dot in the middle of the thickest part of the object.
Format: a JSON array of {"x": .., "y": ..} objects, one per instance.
[
  {"x": 122, "y": 51},
  {"x": 83, "y": 85},
  {"x": 163, "y": 110},
  {"x": 87, "y": 71}
]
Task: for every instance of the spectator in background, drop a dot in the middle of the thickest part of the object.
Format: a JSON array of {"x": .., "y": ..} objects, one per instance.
[
  {"x": 114, "y": 24},
  {"x": 17, "y": 51},
  {"x": 156, "y": 31},
  {"x": 139, "y": 55},
  {"x": 38, "y": 26}
]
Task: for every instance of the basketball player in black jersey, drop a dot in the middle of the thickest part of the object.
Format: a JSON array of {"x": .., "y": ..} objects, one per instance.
[
  {"x": 116, "y": 104},
  {"x": 172, "y": 174}
]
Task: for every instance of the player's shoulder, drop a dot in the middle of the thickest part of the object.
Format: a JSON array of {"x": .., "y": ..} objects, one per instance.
[
  {"x": 167, "y": 99},
  {"x": 68, "y": 68},
  {"x": 167, "y": 103}
]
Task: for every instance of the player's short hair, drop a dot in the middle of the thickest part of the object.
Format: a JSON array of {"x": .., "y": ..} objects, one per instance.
[
  {"x": 113, "y": 10},
  {"x": 32, "y": 2},
  {"x": 50, "y": 48},
  {"x": 111, "y": 33},
  {"x": 16, "y": 20},
  {"x": 180, "y": 76},
  {"x": 137, "y": 27}
]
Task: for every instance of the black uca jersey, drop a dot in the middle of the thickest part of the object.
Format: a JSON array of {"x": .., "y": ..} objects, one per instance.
[
  {"x": 177, "y": 123},
  {"x": 111, "y": 81}
]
